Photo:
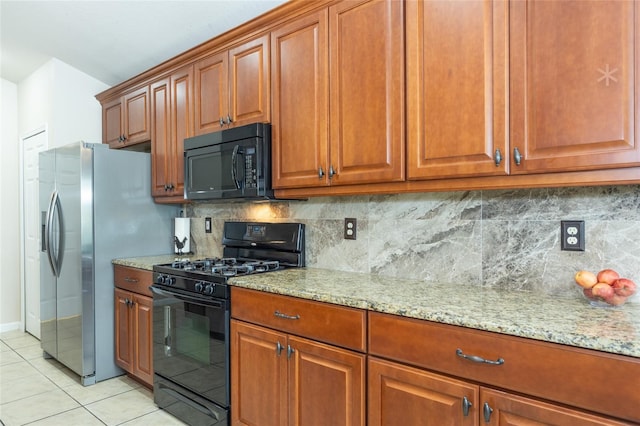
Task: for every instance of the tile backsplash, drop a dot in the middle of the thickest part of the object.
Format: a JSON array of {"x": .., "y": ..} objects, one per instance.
[{"x": 501, "y": 238}]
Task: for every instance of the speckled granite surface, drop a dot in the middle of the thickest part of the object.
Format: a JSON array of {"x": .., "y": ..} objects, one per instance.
[
  {"x": 147, "y": 262},
  {"x": 567, "y": 320}
]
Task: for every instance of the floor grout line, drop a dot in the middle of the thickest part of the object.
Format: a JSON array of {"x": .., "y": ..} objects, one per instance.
[{"x": 66, "y": 389}]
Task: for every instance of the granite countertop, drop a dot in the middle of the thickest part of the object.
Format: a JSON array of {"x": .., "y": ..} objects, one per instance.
[{"x": 566, "y": 320}]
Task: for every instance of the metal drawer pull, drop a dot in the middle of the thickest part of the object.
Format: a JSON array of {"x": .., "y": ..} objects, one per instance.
[
  {"x": 290, "y": 351},
  {"x": 517, "y": 157},
  {"x": 466, "y": 405},
  {"x": 285, "y": 316},
  {"x": 486, "y": 411},
  {"x": 279, "y": 348},
  {"x": 130, "y": 280},
  {"x": 478, "y": 359}
]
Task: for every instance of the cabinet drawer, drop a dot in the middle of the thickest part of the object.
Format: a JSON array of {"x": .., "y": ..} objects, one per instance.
[
  {"x": 133, "y": 279},
  {"x": 338, "y": 325},
  {"x": 578, "y": 377}
]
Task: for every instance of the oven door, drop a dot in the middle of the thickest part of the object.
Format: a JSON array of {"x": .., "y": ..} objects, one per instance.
[{"x": 191, "y": 343}]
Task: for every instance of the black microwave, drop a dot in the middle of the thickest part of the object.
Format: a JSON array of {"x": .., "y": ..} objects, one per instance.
[{"x": 232, "y": 164}]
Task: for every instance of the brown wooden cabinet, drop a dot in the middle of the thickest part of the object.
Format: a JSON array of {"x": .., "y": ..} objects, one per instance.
[
  {"x": 562, "y": 75},
  {"x": 134, "y": 323},
  {"x": 505, "y": 409},
  {"x": 457, "y": 106},
  {"x": 442, "y": 367},
  {"x": 126, "y": 119},
  {"x": 356, "y": 67},
  {"x": 280, "y": 378},
  {"x": 172, "y": 122},
  {"x": 232, "y": 86},
  {"x": 575, "y": 84},
  {"x": 403, "y": 395}
]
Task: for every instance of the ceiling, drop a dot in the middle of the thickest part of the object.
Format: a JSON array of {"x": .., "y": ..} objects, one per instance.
[{"x": 112, "y": 40}]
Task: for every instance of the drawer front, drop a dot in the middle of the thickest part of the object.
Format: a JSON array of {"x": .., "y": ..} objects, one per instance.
[
  {"x": 133, "y": 279},
  {"x": 337, "y": 325},
  {"x": 592, "y": 380}
]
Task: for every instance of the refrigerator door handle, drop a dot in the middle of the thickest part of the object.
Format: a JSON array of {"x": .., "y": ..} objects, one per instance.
[
  {"x": 48, "y": 234},
  {"x": 55, "y": 259}
]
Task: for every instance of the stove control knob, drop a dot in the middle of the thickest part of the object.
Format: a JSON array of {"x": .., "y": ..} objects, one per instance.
[
  {"x": 199, "y": 286},
  {"x": 171, "y": 280},
  {"x": 208, "y": 290},
  {"x": 161, "y": 279}
]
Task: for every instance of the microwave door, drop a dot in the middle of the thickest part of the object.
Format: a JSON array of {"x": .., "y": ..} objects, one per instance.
[{"x": 214, "y": 172}]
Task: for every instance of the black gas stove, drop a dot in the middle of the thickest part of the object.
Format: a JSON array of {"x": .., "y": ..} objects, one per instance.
[
  {"x": 191, "y": 317},
  {"x": 248, "y": 248}
]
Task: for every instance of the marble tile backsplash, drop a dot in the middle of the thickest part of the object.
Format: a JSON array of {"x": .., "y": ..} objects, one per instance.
[{"x": 505, "y": 238}]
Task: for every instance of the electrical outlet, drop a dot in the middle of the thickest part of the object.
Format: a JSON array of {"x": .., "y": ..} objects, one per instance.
[
  {"x": 350, "y": 228},
  {"x": 207, "y": 225},
  {"x": 572, "y": 234}
]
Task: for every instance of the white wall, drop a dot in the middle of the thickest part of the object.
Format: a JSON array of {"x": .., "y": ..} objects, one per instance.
[
  {"x": 63, "y": 99},
  {"x": 10, "y": 310}
]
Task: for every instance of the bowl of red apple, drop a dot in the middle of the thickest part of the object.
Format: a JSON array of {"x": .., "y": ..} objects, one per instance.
[{"x": 605, "y": 289}]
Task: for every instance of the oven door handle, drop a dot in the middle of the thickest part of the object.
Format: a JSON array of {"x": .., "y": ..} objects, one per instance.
[{"x": 185, "y": 298}]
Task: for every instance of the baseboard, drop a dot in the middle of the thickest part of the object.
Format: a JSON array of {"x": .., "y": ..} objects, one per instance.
[{"x": 10, "y": 326}]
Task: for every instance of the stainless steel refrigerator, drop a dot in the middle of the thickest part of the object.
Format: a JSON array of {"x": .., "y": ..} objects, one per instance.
[{"x": 95, "y": 205}]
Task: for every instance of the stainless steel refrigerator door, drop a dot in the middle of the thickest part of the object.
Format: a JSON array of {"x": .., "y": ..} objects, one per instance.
[
  {"x": 48, "y": 297},
  {"x": 75, "y": 322}
]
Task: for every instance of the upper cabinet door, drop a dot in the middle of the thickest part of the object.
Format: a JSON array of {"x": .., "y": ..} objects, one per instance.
[
  {"x": 456, "y": 88},
  {"x": 366, "y": 45},
  {"x": 249, "y": 82},
  {"x": 574, "y": 85},
  {"x": 299, "y": 62},
  {"x": 211, "y": 92},
  {"x": 181, "y": 93},
  {"x": 112, "y": 122},
  {"x": 137, "y": 126}
]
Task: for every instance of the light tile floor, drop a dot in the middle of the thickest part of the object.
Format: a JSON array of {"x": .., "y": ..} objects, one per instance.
[{"x": 42, "y": 392}]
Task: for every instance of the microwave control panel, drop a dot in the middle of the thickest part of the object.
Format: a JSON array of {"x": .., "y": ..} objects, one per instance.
[{"x": 250, "y": 172}]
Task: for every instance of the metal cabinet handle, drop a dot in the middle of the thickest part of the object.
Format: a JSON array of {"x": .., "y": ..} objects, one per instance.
[
  {"x": 279, "y": 348},
  {"x": 290, "y": 351},
  {"x": 131, "y": 280},
  {"x": 332, "y": 172},
  {"x": 517, "y": 157},
  {"x": 497, "y": 157},
  {"x": 478, "y": 359},
  {"x": 228, "y": 120},
  {"x": 221, "y": 121},
  {"x": 285, "y": 316},
  {"x": 486, "y": 412},
  {"x": 320, "y": 173},
  {"x": 466, "y": 406}
]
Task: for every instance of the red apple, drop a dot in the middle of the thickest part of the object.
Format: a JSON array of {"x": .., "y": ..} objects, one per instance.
[
  {"x": 602, "y": 290},
  {"x": 624, "y": 287},
  {"x": 616, "y": 300},
  {"x": 607, "y": 276},
  {"x": 588, "y": 293},
  {"x": 586, "y": 279}
]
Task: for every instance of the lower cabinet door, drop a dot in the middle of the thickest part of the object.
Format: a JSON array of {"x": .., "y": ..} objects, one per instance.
[
  {"x": 124, "y": 336},
  {"x": 143, "y": 326},
  {"x": 258, "y": 376},
  {"x": 505, "y": 409},
  {"x": 326, "y": 384},
  {"x": 402, "y": 395}
]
